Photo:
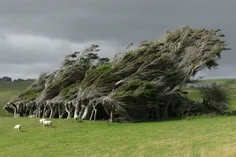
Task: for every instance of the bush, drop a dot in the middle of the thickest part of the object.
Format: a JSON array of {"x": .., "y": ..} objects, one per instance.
[
  {"x": 214, "y": 94},
  {"x": 215, "y": 99}
]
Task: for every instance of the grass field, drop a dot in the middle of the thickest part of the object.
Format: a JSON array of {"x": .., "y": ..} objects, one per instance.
[
  {"x": 201, "y": 137},
  {"x": 9, "y": 90}
]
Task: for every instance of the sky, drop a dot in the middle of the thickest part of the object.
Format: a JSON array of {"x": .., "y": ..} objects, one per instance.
[{"x": 36, "y": 35}]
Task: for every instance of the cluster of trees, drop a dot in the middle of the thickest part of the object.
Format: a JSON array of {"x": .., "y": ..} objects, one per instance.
[
  {"x": 9, "y": 79},
  {"x": 137, "y": 85}
]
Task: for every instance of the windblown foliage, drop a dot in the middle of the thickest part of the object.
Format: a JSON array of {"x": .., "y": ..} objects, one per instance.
[
  {"x": 137, "y": 85},
  {"x": 215, "y": 98}
]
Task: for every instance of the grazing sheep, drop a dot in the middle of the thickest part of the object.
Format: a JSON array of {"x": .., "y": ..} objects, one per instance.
[
  {"x": 47, "y": 123},
  {"x": 42, "y": 120},
  {"x": 17, "y": 127}
]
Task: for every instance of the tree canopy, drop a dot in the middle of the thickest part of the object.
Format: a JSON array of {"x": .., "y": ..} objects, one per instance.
[{"x": 137, "y": 85}]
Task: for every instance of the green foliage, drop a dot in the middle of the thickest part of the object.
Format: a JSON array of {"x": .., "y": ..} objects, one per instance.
[
  {"x": 104, "y": 68},
  {"x": 69, "y": 91},
  {"x": 138, "y": 89},
  {"x": 94, "y": 74},
  {"x": 29, "y": 95},
  {"x": 216, "y": 93}
]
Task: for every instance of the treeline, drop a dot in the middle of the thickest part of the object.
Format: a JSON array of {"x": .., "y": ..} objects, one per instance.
[{"x": 9, "y": 79}]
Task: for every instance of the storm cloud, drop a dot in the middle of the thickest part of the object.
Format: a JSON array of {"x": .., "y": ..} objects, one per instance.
[{"x": 36, "y": 35}]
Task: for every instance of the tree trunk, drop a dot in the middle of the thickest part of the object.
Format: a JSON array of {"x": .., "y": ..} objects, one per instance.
[
  {"x": 51, "y": 111},
  {"x": 95, "y": 115},
  {"x": 91, "y": 116},
  {"x": 166, "y": 115},
  {"x": 47, "y": 113},
  {"x": 38, "y": 112},
  {"x": 54, "y": 113},
  {"x": 44, "y": 111},
  {"x": 30, "y": 111},
  {"x": 111, "y": 116},
  {"x": 166, "y": 111},
  {"x": 17, "y": 110},
  {"x": 76, "y": 111},
  {"x": 68, "y": 113},
  {"x": 68, "y": 110},
  {"x": 26, "y": 110},
  {"x": 15, "y": 115},
  {"x": 81, "y": 111},
  {"x": 85, "y": 113},
  {"x": 61, "y": 113}
]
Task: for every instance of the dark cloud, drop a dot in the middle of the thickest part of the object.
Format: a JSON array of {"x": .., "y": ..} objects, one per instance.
[{"x": 54, "y": 28}]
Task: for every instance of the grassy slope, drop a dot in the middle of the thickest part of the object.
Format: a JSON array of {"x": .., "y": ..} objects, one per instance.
[
  {"x": 199, "y": 137},
  {"x": 9, "y": 90}
]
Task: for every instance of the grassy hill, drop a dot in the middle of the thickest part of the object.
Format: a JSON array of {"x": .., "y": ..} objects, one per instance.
[
  {"x": 200, "y": 137},
  {"x": 9, "y": 90}
]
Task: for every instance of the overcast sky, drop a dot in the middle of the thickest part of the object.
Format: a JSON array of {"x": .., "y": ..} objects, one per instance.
[{"x": 35, "y": 35}]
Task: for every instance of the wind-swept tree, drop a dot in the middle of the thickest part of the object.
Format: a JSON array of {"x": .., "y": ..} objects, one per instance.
[{"x": 137, "y": 85}]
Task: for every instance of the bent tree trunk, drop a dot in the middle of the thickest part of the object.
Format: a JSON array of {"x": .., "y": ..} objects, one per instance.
[
  {"x": 95, "y": 114},
  {"x": 61, "y": 113},
  {"x": 91, "y": 116},
  {"x": 68, "y": 113},
  {"x": 44, "y": 111},
  {"x": 47, "y": 113},
  {"x": 18, "y": 109},
  {"x": 69, "y": 110},
  {"x": 166, "y": 115},
  {"x": 15, "y": 114},
  {"x": 61, "y": 110},
  {"x": 81, "y": 111},
  {"x": 76, "y": 112},
  {"x": 51, "y": 112},
  {"x": 85, "y": 113},
  {"x": 75, "y": 103},
  {"x": 38, "y": 112}
]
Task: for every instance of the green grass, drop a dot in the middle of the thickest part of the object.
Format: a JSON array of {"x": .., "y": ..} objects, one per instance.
[
  {"x": 9, "y": 90},
  {"x": 201, "y": 137}
]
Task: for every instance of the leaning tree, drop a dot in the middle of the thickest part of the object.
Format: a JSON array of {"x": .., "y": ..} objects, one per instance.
[{"x": 137, "y": 85}]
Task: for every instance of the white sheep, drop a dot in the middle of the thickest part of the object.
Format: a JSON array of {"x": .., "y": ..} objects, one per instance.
[
  {"x": 17, "y": 127},
  {"x": 42, "y": 120},
  {"x": 47, "y": 123}
]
